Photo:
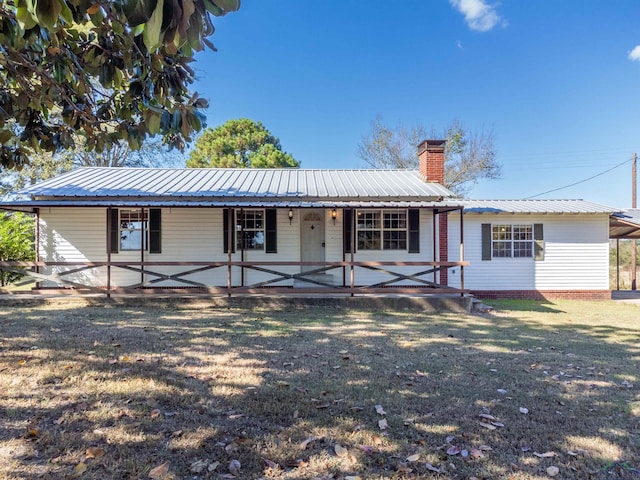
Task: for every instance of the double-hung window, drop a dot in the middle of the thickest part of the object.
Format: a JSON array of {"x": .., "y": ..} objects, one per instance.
[
  {"x": 250, "y": 229},
  {"x": 512, "y": 241},
  {"x": 382, "y": 229},
  {"x": 134, "y": 227}
]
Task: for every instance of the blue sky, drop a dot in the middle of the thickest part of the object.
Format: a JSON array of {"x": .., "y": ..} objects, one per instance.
[{"x": 558, "y": 81}]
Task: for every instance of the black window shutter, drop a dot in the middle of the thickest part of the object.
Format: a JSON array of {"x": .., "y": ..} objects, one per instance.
[
  {"x": 271, "y": 230},
  {"x": 538, "y": 242},
  {"x": 414, "y": 230},
  {"x": 114, "y": 225},
  {"x": 347, "y": 225},
  {"x": 486, "y": 241},
  {"x": 155, "y": 216},
  {"x": 225, "y": 230}
]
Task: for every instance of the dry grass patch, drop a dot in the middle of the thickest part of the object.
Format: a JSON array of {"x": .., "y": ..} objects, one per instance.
[{"x": 186, "y": 393}]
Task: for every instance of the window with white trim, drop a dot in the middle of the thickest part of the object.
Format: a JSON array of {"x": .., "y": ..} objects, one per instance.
[
  {"x": 250, "y": 230},
  {"x": 134, "y": 228},
  {"x": 382, "y": 229},
  {"x": 512, "y": 241}
]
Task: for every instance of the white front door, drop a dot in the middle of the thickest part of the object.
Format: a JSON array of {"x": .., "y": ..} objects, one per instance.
[{"x": 312, "y": 238}]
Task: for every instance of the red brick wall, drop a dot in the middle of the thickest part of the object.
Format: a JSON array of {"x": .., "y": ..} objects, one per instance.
[{"x": 544, "y": 294}]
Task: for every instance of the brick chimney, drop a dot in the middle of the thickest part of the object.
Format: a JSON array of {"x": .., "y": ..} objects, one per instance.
[
  {"x": 431, "y": 160},
  {"x": 431, "y": 166}
]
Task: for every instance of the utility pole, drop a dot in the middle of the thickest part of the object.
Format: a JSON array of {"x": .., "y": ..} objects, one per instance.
[{"x": 633, "y": 240}]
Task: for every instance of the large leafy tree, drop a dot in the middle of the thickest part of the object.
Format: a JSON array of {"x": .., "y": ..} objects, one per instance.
[
  {"x": 16, "y": 243},
  {"x": 241, "y": 143},
  {"x": 107, "y": 70},
  {"x": 469, "y": 156}
]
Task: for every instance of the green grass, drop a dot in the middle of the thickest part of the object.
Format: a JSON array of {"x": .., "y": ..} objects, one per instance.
[{"x": 199, "y": 388}]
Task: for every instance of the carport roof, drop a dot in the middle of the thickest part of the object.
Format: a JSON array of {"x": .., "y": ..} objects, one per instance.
[{"x": 625, "y": 224}]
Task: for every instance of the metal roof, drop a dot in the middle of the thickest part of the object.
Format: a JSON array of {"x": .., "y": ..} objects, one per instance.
[
  {"x": 219, "y": 183},
  {"x": 29, "y": 205},
  {"x": 625, "y": 224},
  {"x": 535, "y": 206}
]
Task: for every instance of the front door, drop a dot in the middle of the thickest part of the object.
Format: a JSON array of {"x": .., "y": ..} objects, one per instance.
[{"x": 312, "y": 238}]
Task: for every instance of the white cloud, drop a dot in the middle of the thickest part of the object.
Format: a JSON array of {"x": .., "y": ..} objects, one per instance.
[
  {"x": 635, "y": 54},
  {"x": 478, "y": 15}
]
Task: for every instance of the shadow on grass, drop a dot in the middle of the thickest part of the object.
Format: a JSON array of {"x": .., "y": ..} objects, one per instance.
[{"x": 193, "y": 387}]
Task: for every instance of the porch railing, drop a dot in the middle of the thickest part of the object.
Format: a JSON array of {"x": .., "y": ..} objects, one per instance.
[{"x": 422, "y": 281}]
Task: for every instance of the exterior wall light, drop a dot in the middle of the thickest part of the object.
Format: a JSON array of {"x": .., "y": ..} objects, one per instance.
[
  {"x": 290, "y": 216},
  {"x": 334, "y": 215}
]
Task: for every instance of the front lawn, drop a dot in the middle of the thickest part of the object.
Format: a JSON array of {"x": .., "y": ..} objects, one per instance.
[{"x": 532, "y": 391}]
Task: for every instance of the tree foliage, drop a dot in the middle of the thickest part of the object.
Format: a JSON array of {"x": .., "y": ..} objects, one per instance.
[
  {"x": 16, "y": 243},
  {"x": 469, "y": 156},
  {"x": 108, "y": 70},
  {"x": 241, "y": 143}
]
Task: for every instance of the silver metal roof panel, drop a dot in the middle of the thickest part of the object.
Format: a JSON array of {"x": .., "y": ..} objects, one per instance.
[
  {"x": 227, "y": 182},
  {"x": 535, "y": 206}
]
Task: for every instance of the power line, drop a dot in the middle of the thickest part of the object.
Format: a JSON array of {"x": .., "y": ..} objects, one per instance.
[{"x": 579, "y": 182}]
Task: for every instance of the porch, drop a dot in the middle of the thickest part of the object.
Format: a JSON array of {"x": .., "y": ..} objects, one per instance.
[{"x": 418, "y": 278}]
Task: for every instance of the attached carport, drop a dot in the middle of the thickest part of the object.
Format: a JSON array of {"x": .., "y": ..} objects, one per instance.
[{"x": 624, "y": 225}]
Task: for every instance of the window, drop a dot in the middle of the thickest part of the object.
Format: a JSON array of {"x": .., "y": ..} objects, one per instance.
[
  {"x": 382, "y": 229},
  {"x": 133, "y": 229},
  {"x": 129, "y": 228},
  {"x": 250, "y": 228},
  {"x": 512, "y": 240}
]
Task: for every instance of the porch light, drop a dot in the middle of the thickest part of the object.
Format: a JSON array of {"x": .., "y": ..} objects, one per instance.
[
  {"x": 290, "y": 216},
  {"x": 334, "y": 215}
]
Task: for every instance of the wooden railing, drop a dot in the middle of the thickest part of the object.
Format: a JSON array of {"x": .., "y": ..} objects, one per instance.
[{"x": 150, "y": 277}]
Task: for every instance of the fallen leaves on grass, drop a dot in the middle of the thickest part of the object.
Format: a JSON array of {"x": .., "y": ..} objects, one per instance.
[
  {"x": 305, "y": 443},
  {"x": 341, "y": 452},
  {"x": 78, "y": 470},
  {"x": 545, "y": 454},
  {"x": 95, "y": 452},
  {"x": 383, "y": 424},
  {"x": 234, "y": 467},
  {"x": 553, "y": 471},
  {"x": 380, "y": 410},
  {"x": 161, "y": 472}
]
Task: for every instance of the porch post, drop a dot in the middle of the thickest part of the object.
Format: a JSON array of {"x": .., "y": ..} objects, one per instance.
[
  {"x": 461, "y": 250},
  {"x": 617, "y": 264},
  {"x": 242, "y": 245},
  {"x": 142, "y": 238},
  {"x": 435, "y": 247},
  {"x": 37, "y": 243},
  {"x": 229, "y": 241},
  {"x": 109, "y": 246},
  {"x": 352, "y": 272}
]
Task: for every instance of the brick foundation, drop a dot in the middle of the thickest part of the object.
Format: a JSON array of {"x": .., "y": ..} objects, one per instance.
[{"x": 544, "y": 294}]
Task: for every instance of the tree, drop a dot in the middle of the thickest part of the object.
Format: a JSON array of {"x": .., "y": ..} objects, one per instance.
[
  {"x": 469, "y": 156},
  {"x": 16, "y": 243},
  {"x": 240, "y": 143},
  {"x": 108, "y": 70}
]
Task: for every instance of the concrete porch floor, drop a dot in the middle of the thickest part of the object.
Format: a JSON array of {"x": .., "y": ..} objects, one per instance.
[{"x": 423, "y": 303}]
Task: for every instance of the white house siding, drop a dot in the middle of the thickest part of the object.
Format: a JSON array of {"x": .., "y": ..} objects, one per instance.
[
  {"x": 73, "y": 235},
  {"x": 576, "y": 254},
  {"x": 196, "y": 234}
]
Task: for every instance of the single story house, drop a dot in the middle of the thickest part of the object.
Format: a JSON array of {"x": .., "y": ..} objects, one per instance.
[{"x": 308, "y": 231}]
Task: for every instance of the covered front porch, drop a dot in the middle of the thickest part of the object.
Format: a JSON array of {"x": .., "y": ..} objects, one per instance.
[{"x": 269, "y": 249}]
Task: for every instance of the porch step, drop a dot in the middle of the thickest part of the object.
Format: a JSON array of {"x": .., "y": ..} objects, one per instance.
[{"x": 325, "y": 278}]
